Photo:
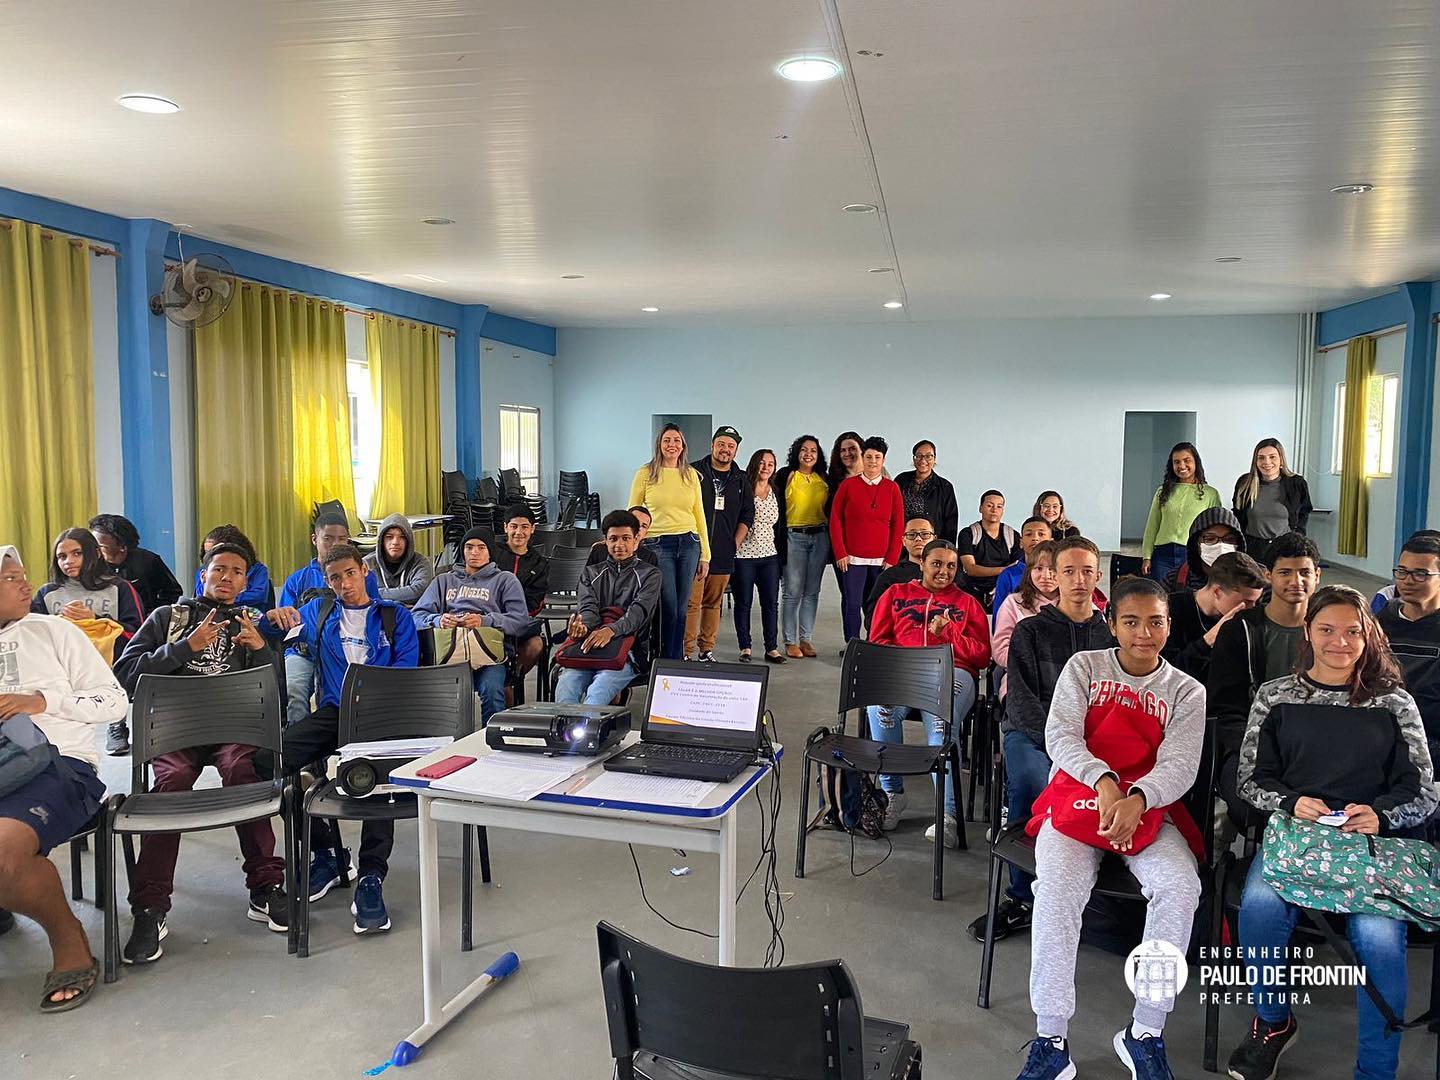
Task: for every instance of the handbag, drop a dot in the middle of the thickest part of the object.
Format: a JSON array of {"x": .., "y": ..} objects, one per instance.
[
  {"x": 1319, "y": 867},
  {"x": 479, "y": 648},
  {"x": 25, "y": 753},
  {"x": 612, "y": 656}
]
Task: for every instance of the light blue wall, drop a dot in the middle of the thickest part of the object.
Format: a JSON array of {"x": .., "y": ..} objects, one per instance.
[
  {"x": 516, "y": 376},
  {"x": 1020, "y": 405}
]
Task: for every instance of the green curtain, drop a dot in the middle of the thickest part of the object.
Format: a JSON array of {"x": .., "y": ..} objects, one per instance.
[
  {"x": 272, "y": 420},
  {"x": 47, "y": 454},
  {"x": 404, "y": 361},
  {"x": 1354, "y": 484}
]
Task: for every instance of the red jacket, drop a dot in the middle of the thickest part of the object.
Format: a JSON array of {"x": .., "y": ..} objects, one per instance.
[
  {"x": 903, "y": 614},
  {"x": 866, "y": 520}
]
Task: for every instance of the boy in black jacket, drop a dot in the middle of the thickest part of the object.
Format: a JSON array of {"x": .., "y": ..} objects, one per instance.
[
  {"x": 533, "y": 571},
  {"x": 729, "y": 515},
  {"x": 1254, "y": 647},
  {"x": 1039, "y": 650},
  {"x": 1235, "y": 584},
  {"x": 1412, "y": 623}
]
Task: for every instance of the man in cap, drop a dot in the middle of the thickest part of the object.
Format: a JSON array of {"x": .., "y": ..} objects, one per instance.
[{"x": 729, "y": 514}]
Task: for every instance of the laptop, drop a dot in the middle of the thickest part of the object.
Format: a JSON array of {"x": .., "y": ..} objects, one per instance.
[{"x": 702, "y": 722}]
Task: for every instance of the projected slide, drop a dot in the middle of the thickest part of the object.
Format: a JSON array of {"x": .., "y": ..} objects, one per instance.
[{"x": 718, "y": 704}]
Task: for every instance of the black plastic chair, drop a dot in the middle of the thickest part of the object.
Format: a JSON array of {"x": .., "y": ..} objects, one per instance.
[
  {"x": 676, "y": 1019},
  {"x": 570, "y": 507},
  {"x": 584, "y": 538},
  {"x": 575, "y": 489},
  {"x": 329, "y": 506},
  {"x": 922, "y": 679},
  {"x": 511, "y": 489},
  {"x": 1013, "y": 848},
  {"x": 539, "y": 507},
  {"x": 393, "y": 703},
  {"x": 177, "y": 712},
  {"x": 78, "y": 843}
]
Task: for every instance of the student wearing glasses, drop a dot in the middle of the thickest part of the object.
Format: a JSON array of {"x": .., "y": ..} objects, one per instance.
[
  {"x": 918, "y": 532},
  {"x": 929, "y": 495},
  {"x": 1412, "y": 623}
]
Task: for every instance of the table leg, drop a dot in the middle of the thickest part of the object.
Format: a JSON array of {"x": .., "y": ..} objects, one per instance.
[
  {"x": 727, "y": 889},
  {"x": 429, "y": 912}
]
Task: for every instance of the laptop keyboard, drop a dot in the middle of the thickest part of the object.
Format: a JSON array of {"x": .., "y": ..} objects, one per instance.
[{"x": 695, "y": 754}]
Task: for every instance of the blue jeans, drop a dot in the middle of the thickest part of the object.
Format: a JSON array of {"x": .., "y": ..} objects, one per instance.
[
  {"x": 805, "y": 562},
  {"x": 299, "y": 685},
  {"x": 1165, "y": 558},
  {"x": 1027, "y": 771},
  {"x": 1267, "y": 921},
  {"x": 748, "y": 574},
  {"x": 592, "y": 687},
  {"x": 887, "y": 725},
  {"x": 490, "y": 685},
  {"x": 678, "y": 557},
  {"x": 855, "y": 585}
]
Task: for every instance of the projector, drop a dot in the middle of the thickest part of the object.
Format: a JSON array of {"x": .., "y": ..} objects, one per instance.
[
  {"x": 550, "y": 728},
  {"x": 359, "y": 777}
]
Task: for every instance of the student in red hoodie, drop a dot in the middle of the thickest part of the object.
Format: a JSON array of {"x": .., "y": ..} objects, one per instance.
[
  {"x": 931, "y": 611},
  {"x": 866, "y": 521}
]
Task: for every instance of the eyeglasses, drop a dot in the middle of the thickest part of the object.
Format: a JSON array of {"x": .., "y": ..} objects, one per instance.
[
  {"x": 1421, "y": 576},
  {"x": 919, "y": 536},
  {"x": 924, "y": 457}
]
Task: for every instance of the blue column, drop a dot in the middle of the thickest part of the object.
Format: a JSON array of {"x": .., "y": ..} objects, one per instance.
[
  {"x": 467, "y": 389},
  {"x": 145, "y": 387},
  {"x": 1417, "y": 395}
]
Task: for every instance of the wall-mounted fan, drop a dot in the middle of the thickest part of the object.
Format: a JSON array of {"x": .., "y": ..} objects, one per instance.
[{"x": 196, "y": 292}]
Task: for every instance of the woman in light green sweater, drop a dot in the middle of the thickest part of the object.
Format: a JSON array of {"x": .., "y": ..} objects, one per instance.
[{"x": 1177, "y": 501}]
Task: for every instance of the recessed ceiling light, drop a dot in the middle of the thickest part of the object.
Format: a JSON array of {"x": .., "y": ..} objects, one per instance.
[
  {"x": 859, "y": 208},
  {"x": 427, "y": 277},
  {"x": 1159, "y": 296},
  {"x": 571, "y": 277},
  {"x": 881, "y": 270},
  {"x": 893, "y": 304},
  {"x": 437, "y": 221},
  {"x": 1352, "y": 189},
  {"x": 1228, "y": 258},
  {"x": 809, "y": 69},
  {"x": 148, "y": 103},
  {"x": 650, "y": 309}
]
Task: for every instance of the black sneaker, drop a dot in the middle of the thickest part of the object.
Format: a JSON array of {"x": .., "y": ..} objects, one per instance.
[
  {"x": 1257, "y": 1057},
  {"x": 270, "y": 906},
  {"x": 145, "y": 937},
  {"x": 117, "y": 739},
  {"x": 705, "y": 658},
  {"x": 1011, "y": 917}
]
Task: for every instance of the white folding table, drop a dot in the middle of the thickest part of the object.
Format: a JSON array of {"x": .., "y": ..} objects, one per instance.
[{"x": 710, "y": 827}]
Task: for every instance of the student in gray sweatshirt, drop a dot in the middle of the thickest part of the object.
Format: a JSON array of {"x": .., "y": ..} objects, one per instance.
[
  {"x": 1125, "y": 733},
  {"x": 477, "y": 593},
  {"x": 401, "y": 572}
]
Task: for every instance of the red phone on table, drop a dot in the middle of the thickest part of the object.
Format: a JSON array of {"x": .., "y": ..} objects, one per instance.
[{"x": 444, "y": 767}]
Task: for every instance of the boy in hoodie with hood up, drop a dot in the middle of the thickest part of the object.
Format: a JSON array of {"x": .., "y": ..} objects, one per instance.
[
  {"x": 1213, "y": 533},
  {"x": 401, "y": 572},
  {"x": 1040, "y": 648},
  {"x": 477, "y": 593}
]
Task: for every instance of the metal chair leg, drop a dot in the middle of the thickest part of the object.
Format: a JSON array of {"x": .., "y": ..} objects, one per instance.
[
  {"x": 804, "y": 817},
  {"x": 1212, "y": 1009},
  {"x": 98, "y": 855},
  {"x": 937, "y": 887},
  {"x": 484, "y": 854},
  {"x": 112, "y": 930},
  {"x": 302, "y": 873},
  {"x": 467, "y": 883},
  {"x": 287, "y": 819},
  {"x": 987, "y": 957},
  {"x": 77, "y": 879},
  {"x": 953, "y": 760}
]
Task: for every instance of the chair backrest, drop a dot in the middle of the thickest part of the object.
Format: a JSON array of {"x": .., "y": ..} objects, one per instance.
[
  {"x": 510, "y": 487},
  {"x": 584, "y": 538},
  {"x": 570, "y": 506},
  {"x": 487, "y": 491},
  {"x": 922, "y": 678},
  {"x": 539, "y": 506},
  {"x": 566, "y": 565},
  {"x": 403, "y": 703},
  {"x": 329, "y": 506},
  {"x": 574, "y": 483},
  {"x": 176, "y": 712},
  {"x": 455, "y": 487},
  {"x": 791, "y": 1023}
]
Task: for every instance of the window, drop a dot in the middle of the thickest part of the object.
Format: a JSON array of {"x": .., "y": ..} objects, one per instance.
[
  {"x": 520, "y": 443},
  {"x": 364, "y": 433},
  {"x": 1382, "y": 396}
]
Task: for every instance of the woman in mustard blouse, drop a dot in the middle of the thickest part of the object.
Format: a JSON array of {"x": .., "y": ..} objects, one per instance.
[
  {"x": 671, "y": 490},
  {"x": 803, "y": 486}
]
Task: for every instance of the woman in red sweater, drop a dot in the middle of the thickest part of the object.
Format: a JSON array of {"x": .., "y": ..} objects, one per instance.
[
  {"x": 866, "y": 521},
  {"x": 931, "y": 611}
]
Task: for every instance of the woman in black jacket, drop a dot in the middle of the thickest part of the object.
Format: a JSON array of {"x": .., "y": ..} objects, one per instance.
[
  {"x": 1270, "y": 500},
  {"x": 760, "y": 559}
]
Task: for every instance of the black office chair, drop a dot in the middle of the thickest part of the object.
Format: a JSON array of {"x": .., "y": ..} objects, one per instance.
[
  {"x": 177, "y": 712},
  {"x": 393, "y": 703},
  {"x": 921, "y": 679},
  {"x": 1013, "y": 848},
  {"x": 675, "y": 1019}
]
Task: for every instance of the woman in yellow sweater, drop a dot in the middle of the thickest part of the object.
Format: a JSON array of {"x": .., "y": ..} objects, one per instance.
[
  {"x": 1178, "y": 501},
  {"x": 671, "y": 490}
]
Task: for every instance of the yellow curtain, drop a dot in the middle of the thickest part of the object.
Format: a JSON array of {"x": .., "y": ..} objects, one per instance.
[
  {"x": 47, "y": 450},
  {"x": 272, "y": 420},
  {"x": 1354, "y": 484},
  {"x": 404, "y": 361}
]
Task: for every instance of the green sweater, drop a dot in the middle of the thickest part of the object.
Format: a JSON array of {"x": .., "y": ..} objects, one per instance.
[{"x": 1170, "y": 524}]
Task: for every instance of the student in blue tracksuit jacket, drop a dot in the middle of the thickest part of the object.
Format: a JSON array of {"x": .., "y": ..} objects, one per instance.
[
  {"x": 258, "y": 592},
  {"x": 331, "y": 530},
  {"x": 351, "y": 628}
]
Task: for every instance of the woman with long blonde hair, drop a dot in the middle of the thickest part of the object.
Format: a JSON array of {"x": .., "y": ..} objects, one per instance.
[
  {"x": 670, "y": 489},
  {"x": 1270, "y": 500}
]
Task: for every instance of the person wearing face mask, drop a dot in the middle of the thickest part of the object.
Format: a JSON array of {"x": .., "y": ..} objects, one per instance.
[
  {"x": 1270, "y": 500},
  {"x": 1213, "y": 533}
]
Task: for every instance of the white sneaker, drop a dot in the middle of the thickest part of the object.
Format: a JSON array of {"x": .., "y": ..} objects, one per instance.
[
  {"x": 893, "y": 810},
  {"x": 952, "y": 833}
]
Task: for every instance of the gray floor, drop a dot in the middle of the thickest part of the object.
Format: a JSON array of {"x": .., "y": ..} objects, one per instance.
[{"x": 225, "y": 1000}]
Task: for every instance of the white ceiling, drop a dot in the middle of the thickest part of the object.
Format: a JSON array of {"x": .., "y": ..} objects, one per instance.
[{"x": 1035, "y": 157}]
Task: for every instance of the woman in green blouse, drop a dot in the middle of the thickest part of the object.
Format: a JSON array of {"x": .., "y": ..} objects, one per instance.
[{"x": 1182, "y": 495}]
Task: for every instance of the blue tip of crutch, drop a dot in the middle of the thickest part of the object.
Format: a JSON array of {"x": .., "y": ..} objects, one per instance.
[
  {"x": 405, "y": 1053},
  {"x": 505, "y": 965}
]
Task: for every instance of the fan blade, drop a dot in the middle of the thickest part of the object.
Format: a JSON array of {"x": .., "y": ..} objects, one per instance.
[
  {"x": 187, "y": 275},
  {"x": 191, "y": 310},
  {"x": 222, "y": 286}
]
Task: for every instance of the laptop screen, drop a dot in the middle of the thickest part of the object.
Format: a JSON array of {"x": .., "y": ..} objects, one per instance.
[{"x": 717, "y": 705}]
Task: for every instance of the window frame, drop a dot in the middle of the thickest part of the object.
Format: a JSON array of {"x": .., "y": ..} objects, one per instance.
[
  {"x": 1379, "y": 454},
  {"x": 530, "y": 481}
]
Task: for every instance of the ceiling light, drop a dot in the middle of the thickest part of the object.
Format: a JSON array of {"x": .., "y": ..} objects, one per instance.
[
  {"x": 1159, "y": 296},
  {"x": 437, "y": 221},
  {"x": 893, "y": 304},
  {"x": 571, "y": 277},
  {"x": 1228, "y": 258},
  {"x": 881, "y": 270},
  {"x": 1352, "y": 189},
  {"x": 650, "y": 309},
  {"x": 148, "y": 103},
  {"x": 809, "y": 69},
  {"x": 859, "y": 208},
  {"x": 427, "y": 277}
]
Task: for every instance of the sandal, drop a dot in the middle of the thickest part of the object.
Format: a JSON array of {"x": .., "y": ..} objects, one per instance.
[
  {"x": 81, "y": 979},
  {"x": 744, "y": 656}
]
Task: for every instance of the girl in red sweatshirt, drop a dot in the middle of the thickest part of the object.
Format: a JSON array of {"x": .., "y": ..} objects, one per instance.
[{"x": 931, "y": 611}]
